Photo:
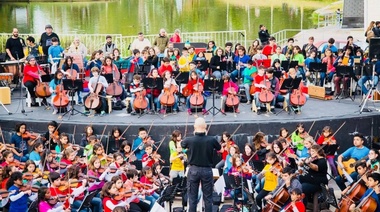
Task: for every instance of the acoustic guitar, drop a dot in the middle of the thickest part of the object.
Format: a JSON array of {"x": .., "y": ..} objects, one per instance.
[{"x": 349, "y": 165}]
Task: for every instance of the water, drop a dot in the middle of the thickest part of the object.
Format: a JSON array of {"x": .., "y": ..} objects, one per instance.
[{"x": 128, "y": 17}]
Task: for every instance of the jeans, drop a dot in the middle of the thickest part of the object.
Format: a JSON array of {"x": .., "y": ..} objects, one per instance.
[
  {"x": 235, "y": 74},
  {"x": 258, "y": 102},
  {"x": 260, "y": 196},
  {"x": 247, "y": 88},
  {"x": 175, "y": 106},
  {"x": 323, "y": 77},
  {"x": 152, "y": 199},
  {"x": 340, "y": 181},
  {"x": 133, "y": 99},
  {"x": 200, "y": 175},
  {"x": 75, "y": 206},
  {"x": 301, "y": 73},
  {"x": 219, "y": 74},
  {"x": 97, "y": 204},
  {"x": 204, "y": 102},
  {"x": 364, "y": 79}
]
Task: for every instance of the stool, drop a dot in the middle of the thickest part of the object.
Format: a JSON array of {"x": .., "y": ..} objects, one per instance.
[
  {"x": 109, "y": 102},
  {"x": 127, "y": 103}
]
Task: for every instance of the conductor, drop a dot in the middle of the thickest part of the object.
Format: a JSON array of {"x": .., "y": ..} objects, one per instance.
[{"x": 200, "y": 151}]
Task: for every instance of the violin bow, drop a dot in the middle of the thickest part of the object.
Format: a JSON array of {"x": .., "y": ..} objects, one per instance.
[
  {"x": 104, "y": 130},
  {"x": 74, "y": 130},
  {"x": 108, "y": 141},
  {"x": 316, "y": 134},
  {"x": 126, "y": 129},
  {"x": 337, "y": 131},
  {"x": 187, "y": 121},
  {"x": 2, "y": 136},
  {"x": 208, "y": 130},
  {"x": 311, "y": 127}
]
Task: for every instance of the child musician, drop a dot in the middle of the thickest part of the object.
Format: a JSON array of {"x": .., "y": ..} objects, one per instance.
[
  {"x": 95, "y": 170},
  {"x": 177, "y": 160},
  {"x": 248, "y": 78},
  {"x": 193, "y": 85},
  {"x": 138, "y": 143},
  {"x": 18, "y": 199},
  {"x": 49, "y": 204},
  {"x": 237, "y": 170},
  {"x": 137, "y": 87},
  {"x": 147, "y": 178},
  {"x": 54, "y": 83},
  {"x": 148, "y": 158},
  {"x": 51, "y": 137},
  {"x": 109, "y": 191},
  {"x": 168, "y": 83},
  {"x": 132, "y": 177},
  {"x": 328, "y": 141},
  {"x": 296, "y": 205},
  {"x": 229, "y": 88},
  {"x": 18, "y": 141},
  {"x": 109, "y": 67},
  {"x": 94, "y": 83}
]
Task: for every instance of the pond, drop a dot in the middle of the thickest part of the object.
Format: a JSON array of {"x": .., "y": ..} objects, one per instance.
[{"x": 128, "y": 17}]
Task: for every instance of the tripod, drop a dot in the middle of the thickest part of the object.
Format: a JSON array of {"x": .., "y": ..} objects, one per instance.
[
  {"x": 213, "y": 88},
  {"x": 73, "y": 86},
  {"x": 9, "y": 113},
  {"x": 370, "y": 92},
  {"x": 289, "y": 85}
]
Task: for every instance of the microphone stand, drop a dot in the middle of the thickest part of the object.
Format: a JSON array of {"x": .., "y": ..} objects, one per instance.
[{"x": 21, "y": 93}]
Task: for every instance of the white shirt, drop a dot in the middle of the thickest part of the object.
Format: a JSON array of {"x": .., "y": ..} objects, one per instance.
[{"x": 140, "y": 45}]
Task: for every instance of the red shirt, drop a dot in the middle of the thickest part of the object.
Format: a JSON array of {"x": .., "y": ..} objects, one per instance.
[
  {"x": 105, "y": 199},
  {"x": 258, "y": 80},
  {"x": 191, "y": 83},
  {"x": 269, "y": 50},
  {"x": 31, "y": 73},
  {"x": 227, "y": 85},
  {"x": 163, "y": 68},
  {"x": 148, "y": 161}
]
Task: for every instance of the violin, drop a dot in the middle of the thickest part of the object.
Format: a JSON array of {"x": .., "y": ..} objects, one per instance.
[
  {"x": 157, "y": 157},
  {"x": 123, "y": 193},
  {"x": 148, "y": 141},
  {"x": 28, "y": 176},
  {"x": 33, "y": 188},
  {"x": 29, "y": 135},
  {"x": 60, "y": 99},
  {"x": 276, "y": 168},
  {"x": 72, "y": 183},
  {"x": 54, "y": 135},
  {"x": 232, "y": 99},
  {"x": 4, "y": 193},
  {"x": 197, "y": 98},
  {"x": 18, "y": 164},
  {"x": 140, "y": 101}
]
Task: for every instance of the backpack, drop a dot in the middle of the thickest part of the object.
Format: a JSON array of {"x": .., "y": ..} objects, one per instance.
[{"x": 370, "y": 34}]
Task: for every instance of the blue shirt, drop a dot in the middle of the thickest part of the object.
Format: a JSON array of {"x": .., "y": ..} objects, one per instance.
[
  {"x": 333, "y": 48},
  {"x": 356, "y": 153},
  {"x": 311, "y": 60},
  {"x": 34, "y": 156},
  {"x": 55, "y": 52},
  {"x": 243, "y": 59},
  {"x": 19, "y": 142},
  {"x": 374, "y": 196},
  {"x": 138, "y": 142},
  {"x": 21, "y": 204}
]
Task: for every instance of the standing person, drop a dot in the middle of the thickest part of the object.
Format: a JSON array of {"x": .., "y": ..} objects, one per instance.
[
  {"x": 200, "y": 150},
  {"x": 271, "y": 48},
  {"x": 78, "y": 47},
  {"x": 309, "y": 47},
  {"x": 162, "y": 40},
  {"x": 32, "y": 48},
  {"x": 109, "y": 46},
  {"x": 46, "y": 37},
  {"x": 14, "y": 46},
  {"x": 55, "y": 52},
  {"x": 263, "y": 35},
  {"x": 140, "y": 43},
  {"x": 176, "y": 38}
]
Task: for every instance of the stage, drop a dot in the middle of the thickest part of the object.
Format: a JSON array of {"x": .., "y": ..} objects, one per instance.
[{"x": 315, "y": 115}]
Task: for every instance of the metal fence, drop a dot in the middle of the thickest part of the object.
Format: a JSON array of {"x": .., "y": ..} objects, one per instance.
[
  {"x": 97, "y": 41},
  {"x": 283, "y": 35},
  {"x": 329, "y": 19}
]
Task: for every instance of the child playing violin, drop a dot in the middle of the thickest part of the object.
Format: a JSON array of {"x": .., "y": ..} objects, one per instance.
[
  {"x": 35, "y": 155},
  {"x": 278, "y": 149},
  {"x": 138, "y": 143},
  {"x": 176, "y": 138},
  {"x": 115, "y": 140},
  {"x": 95, "y": 82},
  {"x": 297, "y": 138},
  {"x": 126, "y": 151},
  {"x": 270, "y": 173},
  {"x": 330, "y": 146},
  {"x": 225, "y": 142},
  {"x": 262, "y": 147},
  {"x": 229, "y": 88},
  {"x": 193, "y": 85},
  {"x": 109, "y": 191},
  {"x": 120, "y": 165},
  {"x": 47, "y": 203},
  {"x": 177, "y": 160},
  {"x": 63, "y": 143},
  {"x": 50, "y": 164},
  {"x": 373, "y": 160},
  {"x": 18, "y": 141},
  {"x": 130, "y": 185},
  {"x": 237, "y": 170},
  {"x": 95, "y": 170},
  {"x": 98, "y": 151},
  {"x": 147, "y": 178},
  {"x": 169, "y": 82},
  {"x": 149, "y": 158},
  {"x": 18, "y": 199},
  {"x": 52, "y": 135},
  {"x": 296, "y": 205},
  {"x": 88, "y": 131},
  {"x": 134, "y": 87},
  {"x": 31, "y": 168},
  {"x": 89, "y": 149},
  {"x": 68, "y": 156},
  {"x": 161, "y": 180}
]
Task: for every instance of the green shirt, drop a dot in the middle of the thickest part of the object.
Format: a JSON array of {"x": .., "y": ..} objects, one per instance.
[
  {"x": 299, "y": 58},
  {"x": 248, "y": 72},
  {"x": 297, "y": 141},
  {"x": 281, "y": 57}
]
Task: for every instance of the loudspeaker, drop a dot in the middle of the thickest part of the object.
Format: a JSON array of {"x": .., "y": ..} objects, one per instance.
[
  {"x": 5, "y": 95},
  {"x": 374, "y": 48}
]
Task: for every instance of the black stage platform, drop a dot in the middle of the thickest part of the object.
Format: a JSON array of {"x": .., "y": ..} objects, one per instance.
[{"x": 319, "y": 112}]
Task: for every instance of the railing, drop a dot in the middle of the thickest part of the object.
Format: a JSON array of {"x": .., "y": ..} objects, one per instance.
[
  {"x": 283, "y": 35},
  {"x": 94, "y": 42},
  {"x": 329, "y": 19}
]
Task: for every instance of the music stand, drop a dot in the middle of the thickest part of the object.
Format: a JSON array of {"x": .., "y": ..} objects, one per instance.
[
  {"x": 373, "y": 89},
  {"x": 153, "y": 83},
  {"x": 72, "y": 86},
  {"x": 286, "y": 65},
  {"x": 344, "y": 71},
  {"x": 181, "y": 78},
  {"x": 214, "y": 85},
  {"x": 317, "y": 67},
  {"x": 237, "y": 183},
  {"x": 289, "y": 84},
  {"x": 202, "y": 64}
]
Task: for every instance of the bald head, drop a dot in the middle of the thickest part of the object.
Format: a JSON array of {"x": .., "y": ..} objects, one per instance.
[{"x": 200, "y": 125}]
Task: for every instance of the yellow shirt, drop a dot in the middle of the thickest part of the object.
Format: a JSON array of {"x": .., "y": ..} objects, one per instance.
[
  {"x": 184, "y": 63},
  {"x": 177, "y": 164},
  {"x": 270, "y": 179}
]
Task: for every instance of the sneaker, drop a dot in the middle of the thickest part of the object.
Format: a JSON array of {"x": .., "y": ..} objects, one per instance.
[
  {"x": 133, "y": 113},
  {"x": 55, "y": 112},
  {"x": 237, "y": 111},
  {"x": 249, "y": 102},
  {"x": 175, "y": 112},
  {"x": 162, "y": 111},
  {"x": 222, "y": 111},
  {"x": 80, "y": 103},
  {"x": 204, "y": 112},
  {"x": 189, "y": 112},
  {"x": 102, "y": 113},
  {"x": 86, "y": 112}
]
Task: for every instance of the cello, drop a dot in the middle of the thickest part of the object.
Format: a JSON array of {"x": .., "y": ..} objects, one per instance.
[
  {"x": 114, "y": 89},
  {"x": 140, "y": 101},
  {"x": 368, "y": 203},
  {"x": 93, "y": 101},
  {"x": 61, "y": 99},
  {"x": 297, "y": 98},
  {"x": 167, "y": 97},
  {"x": 196, "y": 99},
  {"x": 266, "y": 96},
  {"x": 42, "y": 89},
  {"x": 232, "y": 99}
]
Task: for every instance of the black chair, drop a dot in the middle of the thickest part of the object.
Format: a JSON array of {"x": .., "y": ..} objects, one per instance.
[{"x": 86, "y": 203}]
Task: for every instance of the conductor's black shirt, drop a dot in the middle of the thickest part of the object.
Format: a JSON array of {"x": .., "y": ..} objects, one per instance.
[{"x": 200, "y": 149}]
